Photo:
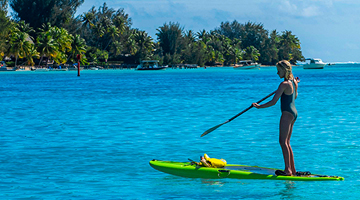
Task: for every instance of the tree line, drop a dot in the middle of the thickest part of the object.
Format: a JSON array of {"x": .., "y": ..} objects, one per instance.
[{"x": 49, "y": 29}]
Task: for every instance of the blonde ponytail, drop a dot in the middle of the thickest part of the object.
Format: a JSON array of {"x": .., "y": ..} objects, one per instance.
[{"x": 286, "y": 66}]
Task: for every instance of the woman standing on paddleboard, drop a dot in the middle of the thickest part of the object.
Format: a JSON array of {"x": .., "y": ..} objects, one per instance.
[{"x": 288, "y": 92}]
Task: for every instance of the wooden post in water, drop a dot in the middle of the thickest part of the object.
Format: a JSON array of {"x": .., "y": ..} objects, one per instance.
[{"x": 78, "y": 56}]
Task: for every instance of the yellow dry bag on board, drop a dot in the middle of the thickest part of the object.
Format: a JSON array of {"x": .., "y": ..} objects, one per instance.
[{"x": 213, "y": 162}]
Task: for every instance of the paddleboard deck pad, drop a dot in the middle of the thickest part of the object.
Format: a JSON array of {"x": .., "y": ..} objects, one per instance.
[{"x": 189, "y": 170}]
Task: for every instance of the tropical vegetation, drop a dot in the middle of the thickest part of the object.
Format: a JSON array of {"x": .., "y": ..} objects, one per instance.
[{"x": 40, "y": 31}]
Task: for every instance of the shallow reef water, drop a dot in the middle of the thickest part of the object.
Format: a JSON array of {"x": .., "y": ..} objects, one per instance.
[{"x": 92, "y": 137}]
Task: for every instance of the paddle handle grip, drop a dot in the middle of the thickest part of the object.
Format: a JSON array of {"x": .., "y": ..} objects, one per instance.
[{"x": 251, "y": 106}]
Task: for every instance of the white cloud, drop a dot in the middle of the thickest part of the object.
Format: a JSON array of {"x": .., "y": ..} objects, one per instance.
[
  {"x": 311, "y": 11},
  {"x": 286, "y": 6},
  {"x": 301, "y": 8}
]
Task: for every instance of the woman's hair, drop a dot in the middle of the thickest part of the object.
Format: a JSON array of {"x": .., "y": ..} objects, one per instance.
[{"x": 286, "y": 66}]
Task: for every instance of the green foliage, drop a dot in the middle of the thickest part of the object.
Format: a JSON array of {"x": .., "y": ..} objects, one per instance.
[
  {"x": 47, "y": 29},
  {"x": 271, "y": 47},
  {"x": 289, "y": 47},
  {"x": 78, "y": 46},
  {"x": 231, "y": 30},
  {"x": 58, "y": 45},
  {"x": 10, "y": 64},
  {"x": 5, "y": 26},
  {"x": 54, "y": 43},
  {"x": 30, "y": 54},
  {"x": 46, "y": 45},
  {"x": 269, "y": 54},
  {"x": 95, "y": 55},
  {"x": 195, "y": 53},
  {"x": 251, "y": 53},
  {"x": 107, "y": 29},
  {"x": 20, "y": 45},
  {"x": 159, "y": 58},
  {"x": 170, "y": 40},
  {"x": 39, "y": 12},
  {"x": 144, "y": 45},
  {"x": 232, "y": 51}
]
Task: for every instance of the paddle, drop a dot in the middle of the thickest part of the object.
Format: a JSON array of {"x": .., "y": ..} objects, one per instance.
[{"x": 217, "y": 126}]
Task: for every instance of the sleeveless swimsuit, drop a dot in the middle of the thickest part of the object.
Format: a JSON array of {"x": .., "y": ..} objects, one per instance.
[{"x": 288, "y": 102}]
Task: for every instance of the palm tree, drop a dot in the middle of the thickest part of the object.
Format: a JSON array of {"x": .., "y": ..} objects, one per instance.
[
  {"x": 87, "y": 18},
  {"x": 78, "y": 46},
  {"x": 116, "y": 48},
  {"x": 251, "y": 53},
  {"x": 30, "y": 54},
  {"x": 26, "y": 28},
  {"x": 204, "y": 36},
  {"x": 289, "y": 47},
  {"x": 215, "y": 47},
  {"x": 231, "y": 49},
  {"x": 46, "y": 46},
  {"x": 189, "y": 37},
  {"x": 62, "y": 37},
  {"x": 113, "y": 31},
  {"x": 99, "y": 29},
  {"x": 145, "y": 44},
  {"x": 5, "y": 27},
  {"x": 120, "y": 22},
  {"x": 45, "y": 27},
  {"x": 131, "y": 43},
  {"x": 63, "y": 40},
  {"x": 19, "y": 44},
  {"x": 170, "y": 37}
]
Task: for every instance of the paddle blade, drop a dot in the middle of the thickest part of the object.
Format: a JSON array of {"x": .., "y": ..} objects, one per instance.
[{"x": 212, "y": 129}]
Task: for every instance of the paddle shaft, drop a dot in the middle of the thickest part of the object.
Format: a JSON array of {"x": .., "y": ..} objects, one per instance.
[
  {"x": 250, "y": 107},
  {"x": 217, "y": 126}
]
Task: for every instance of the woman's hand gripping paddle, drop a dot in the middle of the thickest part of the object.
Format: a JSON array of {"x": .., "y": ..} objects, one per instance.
[{"x": 217, "y": 126}]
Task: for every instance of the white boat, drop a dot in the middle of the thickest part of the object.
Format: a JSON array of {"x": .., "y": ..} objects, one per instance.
[
  {"x": 315, "y": 63},
  {"x": 150, "y": 65},
  {"x": 247, "y": 64}
]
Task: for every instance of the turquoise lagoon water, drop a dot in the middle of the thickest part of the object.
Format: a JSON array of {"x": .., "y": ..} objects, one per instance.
[{"x": 92, "y": 137}]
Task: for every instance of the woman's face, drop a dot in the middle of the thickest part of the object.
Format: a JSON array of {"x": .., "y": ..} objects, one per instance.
[{"x": 280, "y": 72}]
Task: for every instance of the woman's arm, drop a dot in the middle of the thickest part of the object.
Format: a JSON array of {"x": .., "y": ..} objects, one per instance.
[
  {"x": 276, "y": 97},
  {"x": 297, "y": 80}
]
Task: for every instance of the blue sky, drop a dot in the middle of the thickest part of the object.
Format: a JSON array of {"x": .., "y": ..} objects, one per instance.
[{"x": 327, "y": 29}]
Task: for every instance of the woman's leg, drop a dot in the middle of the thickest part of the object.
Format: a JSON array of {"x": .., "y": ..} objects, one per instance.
[
  {"x": 292, "y": 163},
  {"x": 284, "y": 136}
]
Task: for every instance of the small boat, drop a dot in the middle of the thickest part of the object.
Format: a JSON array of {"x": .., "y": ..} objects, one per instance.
[
  {"x": 57, "y": 69},
  {"x": 41, "y": 69},
  {"x": 150, "y": 65},
  {"x": 247, "y": 64},
  {"x": 3, "y": 68},
  {"x": 315, "y": 63},
  {"x": 74, "y": 67}
]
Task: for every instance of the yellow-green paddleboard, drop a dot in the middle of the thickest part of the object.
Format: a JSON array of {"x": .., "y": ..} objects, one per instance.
[{"x": 186, "y": 169}]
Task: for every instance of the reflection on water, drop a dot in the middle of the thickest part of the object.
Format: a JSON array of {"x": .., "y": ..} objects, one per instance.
[
  {"x": 212, "y": 182},
  {"x": 288, "y": 191}
]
